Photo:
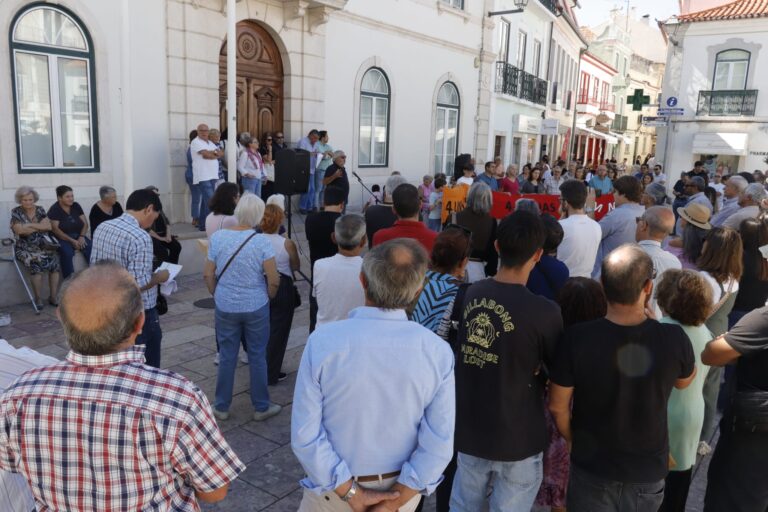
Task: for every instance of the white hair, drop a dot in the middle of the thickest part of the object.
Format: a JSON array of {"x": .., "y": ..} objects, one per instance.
[
  {"x": 277, "y": 200},
  {"x": 249, "y": 210}
]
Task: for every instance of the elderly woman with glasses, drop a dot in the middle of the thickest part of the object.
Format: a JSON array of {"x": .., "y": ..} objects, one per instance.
[
  {"x": 34, "y": 247},
  {"x": 476, "y": 217}
]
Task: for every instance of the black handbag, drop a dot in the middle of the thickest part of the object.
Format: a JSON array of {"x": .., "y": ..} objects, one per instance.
[
  {"x": 750, "y": 411},
  {"x": 296, "y": 297},
  {"x": 162, "y": 303}
]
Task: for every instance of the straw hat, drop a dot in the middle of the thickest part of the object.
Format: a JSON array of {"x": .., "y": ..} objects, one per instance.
[{"x": 696, "y": 214}]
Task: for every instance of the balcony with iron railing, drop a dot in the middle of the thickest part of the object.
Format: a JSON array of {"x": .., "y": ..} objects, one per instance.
[
  {"x": 551, "y": 5},
  {"x": 727, "y": 103},
  {"x": 516, "y": 82}
]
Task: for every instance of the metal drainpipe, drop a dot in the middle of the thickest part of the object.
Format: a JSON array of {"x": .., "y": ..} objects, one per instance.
[
  {"x": 550, "y": 138},
  {"x": 582, "y": 51},
  {"x": 487, "y": 7}
]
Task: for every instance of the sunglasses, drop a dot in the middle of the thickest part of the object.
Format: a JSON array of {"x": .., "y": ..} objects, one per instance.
[{"x": 461, "y": 228}]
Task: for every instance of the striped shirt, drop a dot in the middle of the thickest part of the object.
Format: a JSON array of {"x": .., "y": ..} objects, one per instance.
[
  {"x": 438, "y": 293},
  {"x": 123, "y": 241},
  {"x": 110, "y": 433}
]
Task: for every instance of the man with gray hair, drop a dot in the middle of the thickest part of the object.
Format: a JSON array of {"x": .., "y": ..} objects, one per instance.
[
  {"x": 336, "y": 174},
  {"x": 653, "y": 227},
  {"x": 374, "y": 403},
  {"x": 749, "y": 206},
  {"x": 380, "y": 216},
  {"x": 731, "y": 192},
  {"x": 90, "y": 433},
  {"x": 336, "y": 280}
]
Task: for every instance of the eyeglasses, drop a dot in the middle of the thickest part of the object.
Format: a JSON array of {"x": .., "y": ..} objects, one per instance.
[
  {"x": 280, "y": 137},
  {"x": 343, "y": 156},
  {"x": 269, "y": 140}
]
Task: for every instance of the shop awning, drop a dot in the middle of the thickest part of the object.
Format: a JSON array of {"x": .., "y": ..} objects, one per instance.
[
  {"x": 720, "y": 144},
  {"x": 624, "y": 138},
  {"x": 610, "y": 139}
]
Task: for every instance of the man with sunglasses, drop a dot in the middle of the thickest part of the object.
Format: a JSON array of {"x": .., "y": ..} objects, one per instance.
[
  {"x": 278, "y": 143},
  {"x": 619, "y": 370}
]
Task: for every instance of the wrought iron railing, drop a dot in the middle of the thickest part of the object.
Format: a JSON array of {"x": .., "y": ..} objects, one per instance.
[
  {"x": 727, "y": 103},
  {"x": 516, "y": 82},
  {"x": 551, "y": 5}
]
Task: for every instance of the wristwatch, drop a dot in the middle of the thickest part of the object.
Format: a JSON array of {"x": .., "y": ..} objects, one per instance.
[{"x": 350, "y": 493}]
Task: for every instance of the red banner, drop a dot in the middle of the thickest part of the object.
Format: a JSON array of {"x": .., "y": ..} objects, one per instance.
[
  {"x": 603, "y": 206},
  {"x": 504, "y": 204}
]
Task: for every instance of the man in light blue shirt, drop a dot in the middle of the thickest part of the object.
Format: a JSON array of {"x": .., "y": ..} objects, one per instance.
[
  {"x": 310, "y": 143},
  {"x": 618, "y": 226},
  {"x": 374, "y": 404},
  {"x": 733, "y": 189},
  {"x": 489, "y": 177},
  {"x": 600, "y": 181}
]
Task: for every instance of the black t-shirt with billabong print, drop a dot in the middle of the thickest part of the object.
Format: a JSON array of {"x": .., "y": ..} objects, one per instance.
[
  {"x": 622, "y": 378},
  {"x": 506, "y": 335}
]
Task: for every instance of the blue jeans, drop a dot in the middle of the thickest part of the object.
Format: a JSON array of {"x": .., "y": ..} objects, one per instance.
[
  {"x": 589, "y": 493},
  {"x": 434, "y": 224},
  {"x": 252, "y": 185},
  {"x": 229, "y": 328},
  {"x": 195, "y": 191},
  {"x": 151, "y": 336},
  {"x": 307, "y": 201},
  {"x": 514, "y": 484},
  {"x": 319, "y": 175},
  {"x": 206, "y": 193},
  {"x": 67, "y": 253}
]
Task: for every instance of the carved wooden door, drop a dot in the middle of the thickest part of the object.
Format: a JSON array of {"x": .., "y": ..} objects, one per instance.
[{"x": 259, "y": 81}]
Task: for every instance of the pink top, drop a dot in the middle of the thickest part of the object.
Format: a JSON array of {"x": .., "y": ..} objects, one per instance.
[{"x": 215, "y": 222}]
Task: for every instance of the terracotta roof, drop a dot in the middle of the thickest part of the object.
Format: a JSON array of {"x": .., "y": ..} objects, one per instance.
[{"x": 737, "y": 10}]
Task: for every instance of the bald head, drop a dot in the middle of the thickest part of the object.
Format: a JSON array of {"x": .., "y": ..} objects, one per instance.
[
  {"x": 393, "y": 273},
  {"x": 100, "y": 308},
  {"x": 625, "y": 272},
  {"x": 661, "y": 222}
]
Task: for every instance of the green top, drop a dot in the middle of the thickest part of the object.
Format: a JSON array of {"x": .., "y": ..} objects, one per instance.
[
  {"x": 326, "y": 161},
  {"x": 685, "y": 409}
]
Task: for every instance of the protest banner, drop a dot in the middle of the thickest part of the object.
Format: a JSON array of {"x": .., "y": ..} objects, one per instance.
[
  {"x": 504, "y": 204},
  {"x": 454, "y": 200},
  {"x": 604, "y": 205}
]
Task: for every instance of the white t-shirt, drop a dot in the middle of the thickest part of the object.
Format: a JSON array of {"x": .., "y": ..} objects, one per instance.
[
  {"x": 660, "y": 178},
  {"x": 203, "y": 169},
  {"x": 581, "y": 240},
  {"x": 465, "y": 181},
  {"x": 336, "y": 286},
  {"x": 733, "y": 284}
]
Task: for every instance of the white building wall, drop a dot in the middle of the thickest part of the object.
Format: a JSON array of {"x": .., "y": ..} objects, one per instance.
[{"x": 690, "y": 69}]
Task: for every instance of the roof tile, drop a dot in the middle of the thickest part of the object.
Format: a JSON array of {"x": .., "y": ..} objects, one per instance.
[{"x": 740, "y": 9}]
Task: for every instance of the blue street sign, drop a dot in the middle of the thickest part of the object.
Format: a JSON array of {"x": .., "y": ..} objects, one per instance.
[{"x": 671, "y": 101}]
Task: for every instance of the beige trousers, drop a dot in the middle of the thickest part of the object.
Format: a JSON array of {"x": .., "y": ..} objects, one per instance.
[{"x": 330, "y": 501}]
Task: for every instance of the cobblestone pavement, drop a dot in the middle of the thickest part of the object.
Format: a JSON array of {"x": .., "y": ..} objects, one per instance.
[{"x": 270, "y": 482}]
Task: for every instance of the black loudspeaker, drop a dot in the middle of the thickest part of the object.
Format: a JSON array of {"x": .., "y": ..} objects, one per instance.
[{"x": 291, "y": 171}]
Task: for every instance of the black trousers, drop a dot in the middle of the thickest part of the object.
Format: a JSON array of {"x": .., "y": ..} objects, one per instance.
[
  {"x": 443, "y": 492},
  {"x": 737, "y": 480},
  {"x": 676, "y": 488},
  {"x": 312, "y": 312},
  {"x": 280, "y": 319},
  {"x": 166, "y": 251}
]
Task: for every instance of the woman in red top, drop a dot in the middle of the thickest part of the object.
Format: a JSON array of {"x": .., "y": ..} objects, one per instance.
[{"x": 508, "y": 182}]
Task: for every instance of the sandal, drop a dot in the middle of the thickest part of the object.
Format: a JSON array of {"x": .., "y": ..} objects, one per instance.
[{"x": 53, "y": 302}]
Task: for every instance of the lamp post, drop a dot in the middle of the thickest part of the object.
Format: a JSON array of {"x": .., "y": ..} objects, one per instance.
[{"x": 520, "y": 4}]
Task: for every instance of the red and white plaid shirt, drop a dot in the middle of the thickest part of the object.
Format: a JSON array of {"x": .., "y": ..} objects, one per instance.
[{"x": 107, "y": 433}]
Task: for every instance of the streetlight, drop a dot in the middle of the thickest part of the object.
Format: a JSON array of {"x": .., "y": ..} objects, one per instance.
[{"x": 520, "y": 4}]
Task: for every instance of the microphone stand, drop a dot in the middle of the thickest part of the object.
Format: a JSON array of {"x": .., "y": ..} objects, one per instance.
[{"x": 360, "y": 180}]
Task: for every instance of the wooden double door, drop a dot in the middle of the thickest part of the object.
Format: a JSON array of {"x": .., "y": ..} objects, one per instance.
[{"x": 259, "y": 81}]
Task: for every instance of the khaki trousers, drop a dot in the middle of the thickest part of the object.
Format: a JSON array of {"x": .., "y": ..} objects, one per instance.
[{"x": 330, "y": 501}]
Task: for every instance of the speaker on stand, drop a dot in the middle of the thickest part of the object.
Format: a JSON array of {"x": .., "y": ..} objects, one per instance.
[{"x": 292, "y": 178}]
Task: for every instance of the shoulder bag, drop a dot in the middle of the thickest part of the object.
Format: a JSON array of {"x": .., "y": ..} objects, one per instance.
[{"x": 226, "y": 266}]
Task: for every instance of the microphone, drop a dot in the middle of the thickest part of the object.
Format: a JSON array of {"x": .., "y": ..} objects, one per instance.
[{"x": 356, "y": 176}]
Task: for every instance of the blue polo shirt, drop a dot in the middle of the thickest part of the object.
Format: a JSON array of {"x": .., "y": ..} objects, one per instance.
[
  {"x": 604, "y": 185},
  {"x": 490, "y": 181}
]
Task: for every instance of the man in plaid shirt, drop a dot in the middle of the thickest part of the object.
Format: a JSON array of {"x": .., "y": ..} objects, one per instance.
[
  {"x": 126, "y": 241},
  {"x": 101, "y": 431}
]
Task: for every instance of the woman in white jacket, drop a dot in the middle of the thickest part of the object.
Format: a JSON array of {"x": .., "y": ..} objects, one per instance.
[{"x": 251, "y": 166}]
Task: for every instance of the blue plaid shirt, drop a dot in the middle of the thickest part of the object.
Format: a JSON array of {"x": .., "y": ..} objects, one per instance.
[{"x": 123, "y": 241}]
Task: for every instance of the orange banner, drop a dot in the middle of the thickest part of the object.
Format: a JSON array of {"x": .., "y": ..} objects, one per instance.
[{"x": 454, "y": 200}]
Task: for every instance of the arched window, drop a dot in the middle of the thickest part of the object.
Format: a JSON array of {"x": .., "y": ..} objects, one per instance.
[
  {"x": 374, "y": 119},
  {"x": 731, "y": 68},
  {"x": 54, "y": 91},
  {"x": 446, "y": 128}
]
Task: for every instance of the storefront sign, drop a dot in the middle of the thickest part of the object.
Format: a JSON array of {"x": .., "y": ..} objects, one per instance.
[
  {"x": 550, "y": 127},
  {"x": 526, "y": 124}
]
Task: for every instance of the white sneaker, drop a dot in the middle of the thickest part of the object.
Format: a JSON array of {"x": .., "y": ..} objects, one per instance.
[
  {"x": 216, "y": 359},
  {"x": 221, "y": 415},
  {"x": 704, "y": 448},
  {"x": 244, "y": 357},
  {"x": 272, "y": 410}
]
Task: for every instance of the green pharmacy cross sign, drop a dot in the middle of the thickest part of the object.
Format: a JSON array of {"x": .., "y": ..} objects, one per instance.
[{"x": 637, "y": 100}]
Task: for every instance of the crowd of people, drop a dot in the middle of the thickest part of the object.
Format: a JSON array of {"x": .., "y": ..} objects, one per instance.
[{"x": 561, "y": 362}]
